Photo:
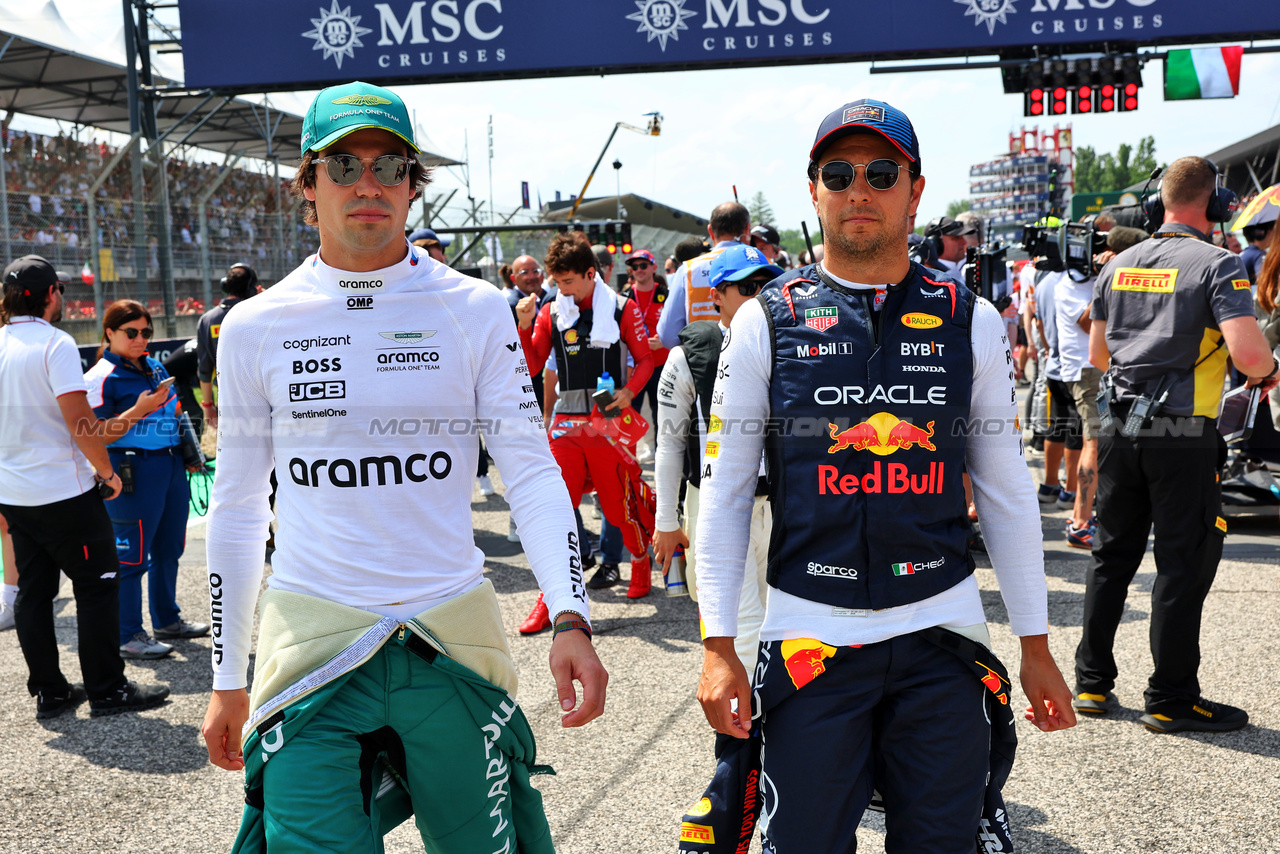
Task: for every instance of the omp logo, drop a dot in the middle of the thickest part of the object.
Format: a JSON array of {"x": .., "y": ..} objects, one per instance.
[
  {"x": 920, "y": 320},
  {"x": 326, "y": 390},
  {"x": 337, "y": 32},
  {"x": 359, "y": 303},
  {"x": 408, "y": 337},
  {"x": 1145, "y": 281},
  {"x": 382, "y": 471},
  {"x": 362, "y": 100},
  {"x": 661, "y": 20}
]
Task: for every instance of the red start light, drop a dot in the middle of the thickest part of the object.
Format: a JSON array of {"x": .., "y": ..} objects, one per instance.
[
  {"x": 1037, "y": 94},
  {"x": 1108, "y": 105},
  {"x": 1131, "y": 103},
  {"x": 613, "y": 249},
  {"x": 1060, "y": 93},
  {"x": 627, "y": 249},
  {"x": 1108, "y": 91},
  {"x": 1085, "y": 106},
  {"x": 1059, "y": 107},
  {"x": 1037, "y": 108},
  {"x": 1086, "y": 92},
  {"x": 1131, "y": 89}
]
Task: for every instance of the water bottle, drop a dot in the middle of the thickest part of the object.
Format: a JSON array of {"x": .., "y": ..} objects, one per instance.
[{"x": 674, "y": 579}]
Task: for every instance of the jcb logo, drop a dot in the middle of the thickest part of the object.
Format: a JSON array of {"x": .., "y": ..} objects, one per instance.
[{"x": 327, "y": 390}]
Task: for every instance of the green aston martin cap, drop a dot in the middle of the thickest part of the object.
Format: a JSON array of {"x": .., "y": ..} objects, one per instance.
[{"x": 340, "y": 110}]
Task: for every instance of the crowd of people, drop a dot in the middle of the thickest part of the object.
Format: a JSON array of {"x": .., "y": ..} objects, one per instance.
[
  {"x": 48, "y": 177},
  {"x": 868, "y": 392}
]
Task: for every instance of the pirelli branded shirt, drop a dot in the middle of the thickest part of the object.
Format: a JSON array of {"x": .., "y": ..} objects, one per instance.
[
  {"x": 1163, "y": 301},
  {"x": 368, "y": 392}
]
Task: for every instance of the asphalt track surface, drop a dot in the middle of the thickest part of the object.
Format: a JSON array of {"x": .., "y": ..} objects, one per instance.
[{"x": 142, "y": 782}]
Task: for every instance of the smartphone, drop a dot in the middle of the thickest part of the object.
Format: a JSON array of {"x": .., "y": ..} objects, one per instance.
[
  {"x": 603, "y": 398},
  {"x": 167, "y": 382}
]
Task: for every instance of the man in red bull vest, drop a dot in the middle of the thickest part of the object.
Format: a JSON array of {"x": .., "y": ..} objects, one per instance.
[{"x": 871, "y": 386}]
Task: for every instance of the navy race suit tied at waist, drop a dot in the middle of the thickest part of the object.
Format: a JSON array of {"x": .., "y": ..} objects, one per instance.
[{"x": 868, "y": 445}]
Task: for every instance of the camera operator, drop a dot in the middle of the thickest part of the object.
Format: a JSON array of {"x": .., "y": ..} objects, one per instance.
[
  {"x": 950, "y": 239},
  {"x": 54, "y": 475},
  {"x": 1166, "y": 315}
]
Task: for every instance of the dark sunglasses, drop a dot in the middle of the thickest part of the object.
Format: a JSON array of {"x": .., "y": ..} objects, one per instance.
[
  {"x": 747, "y": 288},
  {"x": 133, "y": 332},
  {"x": 345, "y": 169},
  {"x": 59, "y": 287},
  {"x": 837, "y": 176},
  {"x": 639, "y": 265}
]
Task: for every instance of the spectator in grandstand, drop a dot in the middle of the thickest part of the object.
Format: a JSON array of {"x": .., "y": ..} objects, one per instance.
[
  {"x": 240, "y": 283},
  {"x": 690, "y": 292},
  {"x": 52, "y": 467},
  {"x": 150, "y": 517}
]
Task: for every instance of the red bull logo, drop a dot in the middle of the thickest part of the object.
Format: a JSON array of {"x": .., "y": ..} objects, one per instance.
[
  {"x": 894, "y": 478},
  {"x": 994, "y": 684},
  {"x": 805, "y": 659},
  {"x": 882, "y": 434}
]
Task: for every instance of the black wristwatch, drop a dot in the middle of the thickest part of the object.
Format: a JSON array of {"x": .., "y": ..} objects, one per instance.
[{"x": 1275, "y": 368}]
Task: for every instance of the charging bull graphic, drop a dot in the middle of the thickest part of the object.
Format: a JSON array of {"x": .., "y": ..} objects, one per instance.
[{"x": 881, "y": 434}]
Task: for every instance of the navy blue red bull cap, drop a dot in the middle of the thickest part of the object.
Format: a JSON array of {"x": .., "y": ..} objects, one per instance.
[{"x": 868, "y": 115}]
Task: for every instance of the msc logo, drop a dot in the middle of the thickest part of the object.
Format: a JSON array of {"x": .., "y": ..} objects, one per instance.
[
  {"x": 662, "y": 20},
  {"x": 919, "y": 320},
  {"x": 359, "y": 303},
  {"x": 348, "y": 474},
  {"x": 318, "y": 366},
  {"x": 991, "y": 12},
  {"x": 326, "y": 390},
  {"x": 337, "y": 32}
]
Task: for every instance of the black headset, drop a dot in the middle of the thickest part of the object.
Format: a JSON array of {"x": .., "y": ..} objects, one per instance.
[
  {"x": 1219, "y": 209},
  {"x": 253, "y": 277},
  {"x": 933, "y": 234}
]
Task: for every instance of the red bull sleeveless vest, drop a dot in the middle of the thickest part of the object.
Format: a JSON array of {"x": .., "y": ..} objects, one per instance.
[{"x": 867, "y": 444}]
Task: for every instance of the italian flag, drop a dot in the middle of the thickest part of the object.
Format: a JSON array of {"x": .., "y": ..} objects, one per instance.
[{"x": 1203, "y": 72}]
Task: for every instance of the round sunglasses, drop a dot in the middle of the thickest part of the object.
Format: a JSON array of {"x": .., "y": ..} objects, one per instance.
[
  {"x": 838, "y": 175},
  {"x": 345, "y": 169},
  {"x": 133, "y": 332}
]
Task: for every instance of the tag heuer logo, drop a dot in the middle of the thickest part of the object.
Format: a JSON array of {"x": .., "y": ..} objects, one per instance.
[
  {"x": 661, "y": 19},
  {"x": 821, "y": 319},
  {"x": 408, "y": 337},
  {"x": 337, "y": 32}
]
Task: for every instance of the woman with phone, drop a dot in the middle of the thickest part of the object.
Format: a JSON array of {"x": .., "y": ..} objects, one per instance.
[{"x": 131, "y": 393}]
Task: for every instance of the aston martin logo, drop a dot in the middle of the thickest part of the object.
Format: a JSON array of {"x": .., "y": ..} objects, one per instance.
[
  {"x": 661, "y": 19},
  {"x": 337, "y": 32},
  {"x": 989, "y": 12}
]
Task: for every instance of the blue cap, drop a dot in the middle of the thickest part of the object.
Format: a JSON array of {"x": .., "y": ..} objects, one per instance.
[
  {"x": 868, "y": 115},
  {"x": 428, "y": 234},
  {"x": 738, "y": 262}
]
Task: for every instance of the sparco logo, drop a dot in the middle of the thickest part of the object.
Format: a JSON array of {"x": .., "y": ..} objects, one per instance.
[
  {"x": 822, "y": 569},
  {"x": 327, "y": 390},
  {"x": 360, "y": 284},
  {"x": 381, "y": 471}
]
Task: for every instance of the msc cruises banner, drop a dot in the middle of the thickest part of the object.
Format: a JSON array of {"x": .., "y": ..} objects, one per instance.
[{"x": 282, "y": 44}]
